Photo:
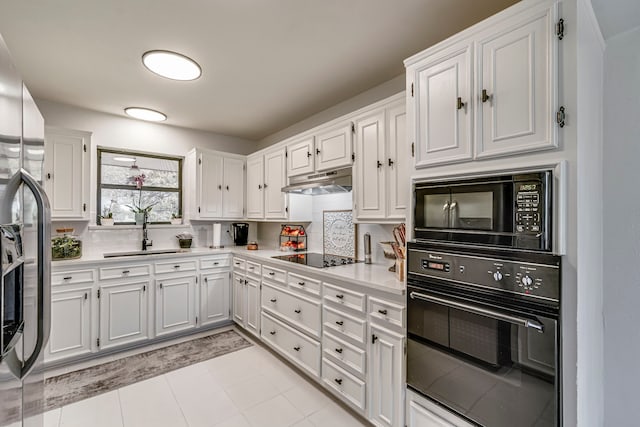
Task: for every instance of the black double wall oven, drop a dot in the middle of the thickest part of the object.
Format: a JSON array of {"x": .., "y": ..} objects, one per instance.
[{"x": 483, "y": 300}]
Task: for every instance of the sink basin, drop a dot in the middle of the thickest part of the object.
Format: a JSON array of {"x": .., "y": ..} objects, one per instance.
[{"x": 153, "y": 252}]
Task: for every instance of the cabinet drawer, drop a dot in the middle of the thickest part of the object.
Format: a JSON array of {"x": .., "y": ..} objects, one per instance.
[
  {"x": 253, "y": 269},
  {"x": 345, "y": 384},
  {"x": 274, "y": 274},
  {"x": 386, "y": 312},
  {"x": 353, "y": 300},
  {"x": 121, "y": 271},
  {"x": 299, "y": 311},
  {"x": 344, "y": 324},
  {"x": 176, "y": 266},
  {"x": 310, "y": 286},
  {"x": 214, "y": 262},
  {"x": 343, "y": 354},
  {"x": 300, "y": 349},
  {"x": 239, "y": 264},
  {"x": 72, "y": 277}
]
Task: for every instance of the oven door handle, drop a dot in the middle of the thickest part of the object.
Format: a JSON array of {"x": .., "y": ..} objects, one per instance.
[{"x": 521, "y": 321}]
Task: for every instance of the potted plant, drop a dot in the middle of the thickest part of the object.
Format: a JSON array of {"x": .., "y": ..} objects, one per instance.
[
  {"x": 106, "y": 218},
  {"x": 140, "y": 211},
  {"x": 176, "y": 219},
  {"x": 184, "y": 240}
]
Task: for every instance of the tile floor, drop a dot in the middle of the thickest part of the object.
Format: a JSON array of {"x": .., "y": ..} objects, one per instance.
[{"x": 246, "y": 388}]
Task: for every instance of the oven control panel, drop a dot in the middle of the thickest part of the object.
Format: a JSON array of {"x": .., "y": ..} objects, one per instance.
[
  {"x": 528, "y": 208},
  {"x": 530, "y": 279}
]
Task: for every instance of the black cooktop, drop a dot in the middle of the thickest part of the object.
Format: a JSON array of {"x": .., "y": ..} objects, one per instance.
[{"x": 317, "y": 260}]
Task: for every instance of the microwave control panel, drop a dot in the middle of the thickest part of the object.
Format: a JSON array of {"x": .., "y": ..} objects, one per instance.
[{"x": 528, "y": 207}]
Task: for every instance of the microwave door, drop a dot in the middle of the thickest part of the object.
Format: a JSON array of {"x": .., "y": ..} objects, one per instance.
[{"x": 433, "y": 208}]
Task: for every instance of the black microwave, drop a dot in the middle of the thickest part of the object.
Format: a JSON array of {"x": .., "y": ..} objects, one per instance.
[{"x": 511, "y": 211}]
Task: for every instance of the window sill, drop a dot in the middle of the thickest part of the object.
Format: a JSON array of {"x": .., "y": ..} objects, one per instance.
[{"x": 137, "y": 227}]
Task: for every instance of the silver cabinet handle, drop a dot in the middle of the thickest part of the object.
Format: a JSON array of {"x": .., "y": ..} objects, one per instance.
[{"x": 521, "y": 321}]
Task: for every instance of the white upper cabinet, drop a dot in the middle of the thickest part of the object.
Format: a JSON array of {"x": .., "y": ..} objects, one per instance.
[
  {"x": 515, "y": 90},
  {"x": 443, "y": 113},
  {"x": 334, "y": 148},
  {"x": 255, "y": 186},
  {"x": 66, "y": 177},
  {"x": 275, "y": 177},
  {"x": 489, "y": 91},
  {"x": 381, "y": 171},
  {"x": 300, "y": 157},
  {"x": 219, "y": 183}
]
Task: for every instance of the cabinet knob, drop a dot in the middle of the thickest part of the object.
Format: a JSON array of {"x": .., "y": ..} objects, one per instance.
[
  {"x": 379, "y": 164},
  {"x": 259, "y": 187},
  {"x": 317, "y": 151},
  {"x": 297, "y": 311},
  {"x": 49, "y": 175},
  {"x": 219, "y": 187},
  {"x": 206, "y": 279},
  {"x": 485, "y": 96},
  {"x": 459, "y": 104},
  {"x": 309, "y": 154},
  {"x": 227, "y": 188},
  {"x": 265, "y": 185},
  {"x": 390, "y": 162},
  {"x": 273, "y": 300}
]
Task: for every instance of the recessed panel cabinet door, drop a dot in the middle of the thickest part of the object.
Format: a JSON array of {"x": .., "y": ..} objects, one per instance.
[
  {"x": 370, "y": 171},
  {"x": 210, "y": 186},
  {"x": 175, "y": 304},
  {"x": 214, "y": 298},
  {"x": 239, "y": 300},
  {"x": 253, "y": 306},
  {"x": 255, "y": 187},
  {"x": 123, "y": 314},
  {"x": 333, "y": 148},
  {"x": 300, "y": 158},
  {"x": 70, "y": 324},
  {"x": 275, "y": 178},
  {"x": 515, "y": 93},
  {"x": 385, "y": 379},
  {"x": 443, "y": 109},
  {"x": 233, "y": 191},
  {"x": 397, "y": 163}
]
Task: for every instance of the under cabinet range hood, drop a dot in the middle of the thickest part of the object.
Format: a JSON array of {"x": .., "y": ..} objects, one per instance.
[{"x": 335, "y": 181}]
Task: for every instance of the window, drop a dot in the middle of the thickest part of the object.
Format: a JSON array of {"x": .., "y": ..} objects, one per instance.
[{"x": 130, "y": 182}]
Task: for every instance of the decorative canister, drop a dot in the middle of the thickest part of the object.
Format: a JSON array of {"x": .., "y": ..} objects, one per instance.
[{"x": 65, "y": 245}]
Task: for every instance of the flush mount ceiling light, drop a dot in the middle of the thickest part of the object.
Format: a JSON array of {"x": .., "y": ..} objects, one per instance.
[
  {"x": 171, "y": 65},
  {"x": 145, "y": 114},
  {"x": 124, "y": 159}
]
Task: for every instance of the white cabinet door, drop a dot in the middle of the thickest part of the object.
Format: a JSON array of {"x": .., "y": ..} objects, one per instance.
[
  {"x": 123, "y": 313},
  {"x": 66, "y": 181},
  {"x": 70, "y": 323},
  {"x": 175, "y": 304},
  {"x": 334, "y": 148},
  {"x": 233, "y": 192},
  {"x": 418, "y": 416},
  {"x": 397, "y": 163},
  {"x": 255, "y": 187},
  {"x": 442, "y": 108},
  {"x": 370, "y": 173},
  {"x": 300, "y": 157},
  {"x": 274, "y": 179},
  {"x": 209, "y": 186},
  {"x": 386, "y": 381},
  {"x": 239, "y": 300},
  {"x": 515, "y": 72},
  {"x": 253, "y": 306},
  {"x": 214, "y": 298}
]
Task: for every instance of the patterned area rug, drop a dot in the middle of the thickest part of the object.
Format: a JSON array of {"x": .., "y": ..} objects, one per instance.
[{"x": 83, "y": 384}]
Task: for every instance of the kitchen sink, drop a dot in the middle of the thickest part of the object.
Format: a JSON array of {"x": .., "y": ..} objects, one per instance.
[{"x": 153, "y": 252}]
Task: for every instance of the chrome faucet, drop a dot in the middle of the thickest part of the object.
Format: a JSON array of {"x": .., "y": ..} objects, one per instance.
[{"x": 145, "y": 238}]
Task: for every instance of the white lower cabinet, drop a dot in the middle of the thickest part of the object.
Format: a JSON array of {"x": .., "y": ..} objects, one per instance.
[
  {"x": 252, "y": 289},
  {"x": 246, "y": 295},
  {"x": 123, "y": 313},
  {"x": 239, "y": 301},
  {"x": 386, "y": 351},
  {"x": 214, "y": 298},
  {"x": 175, "y": 304},
  {"x": 350, "y": 387},
  {"x": 70, "y": 323},
  {"x": 421, "y": 412}
]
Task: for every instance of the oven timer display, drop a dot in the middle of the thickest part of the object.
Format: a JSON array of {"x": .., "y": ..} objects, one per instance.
[{"x": 438, "y": 266}]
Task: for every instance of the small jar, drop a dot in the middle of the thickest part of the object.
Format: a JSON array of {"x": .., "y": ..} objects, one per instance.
[{"x": 65, "y": 245}]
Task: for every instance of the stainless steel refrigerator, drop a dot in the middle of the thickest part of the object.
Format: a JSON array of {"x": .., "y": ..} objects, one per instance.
[{"x": 25, "y": 295}]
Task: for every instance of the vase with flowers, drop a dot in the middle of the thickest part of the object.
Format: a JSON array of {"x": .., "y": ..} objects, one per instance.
[{"x": 141, "y": 212}]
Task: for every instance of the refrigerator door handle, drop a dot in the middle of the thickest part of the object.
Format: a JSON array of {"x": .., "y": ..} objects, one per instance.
[{"x": 43, "y": 257}]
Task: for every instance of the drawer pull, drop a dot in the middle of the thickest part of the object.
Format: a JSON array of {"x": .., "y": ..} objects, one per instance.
[
  {"x": 236, "y": 263},
  {"x": 126, "y": 271},
  {"x": 383, "y": 312},
  {"x": 176, "y": 266},
  {"x": 67, "y": 278},
  {"x": 339, "y": 296},
  {"x": 239, "y": 280},
  {"x": 339, "y": 350},
  {"x": 301, "y": 283},
  {"x": 339, "y": 322},
  {"x": 296, "y": 348},
  {"x": 250, "y": 268},
  {"x": 271, "y": 273},
  {"x": 338, "y": 380},
  {"x": 297, "y": 310},
  {"x": 216, "y": 263},
  {"x": 273, "y": 300},
  {"x": 272, "y": 332}
]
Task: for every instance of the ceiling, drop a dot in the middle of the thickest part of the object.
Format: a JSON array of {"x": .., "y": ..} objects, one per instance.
[{"x": 266, "y": 64}]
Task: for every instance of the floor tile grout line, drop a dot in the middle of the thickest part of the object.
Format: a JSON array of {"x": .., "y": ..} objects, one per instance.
[
  {"x": 120, "y": 406},
  {"x": 175, "y": 398}
]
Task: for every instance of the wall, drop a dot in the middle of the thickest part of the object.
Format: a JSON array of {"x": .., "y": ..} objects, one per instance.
[
  {"x": 590, "y": 364},
  {"x": 268, "y": 232},
  {"x": 377, "y": 93},
  {"x": 621, "y": 229}
]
